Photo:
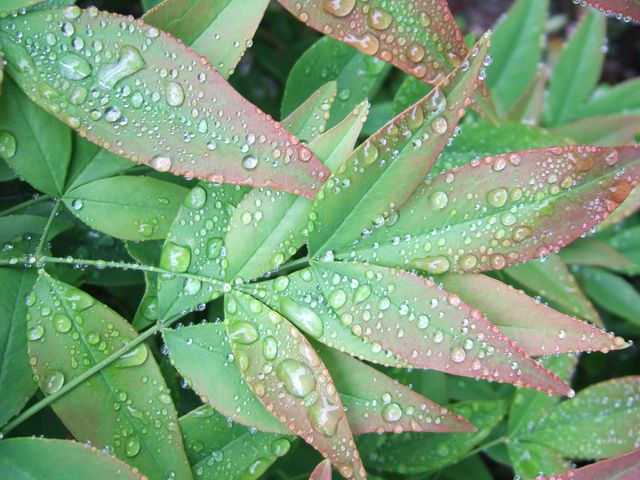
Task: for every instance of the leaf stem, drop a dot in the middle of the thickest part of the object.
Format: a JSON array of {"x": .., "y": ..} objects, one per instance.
[
  {"x": 47, "y": 227},
  {"x": 23, "y": 205},
  {"x": 28, "y": 413}
]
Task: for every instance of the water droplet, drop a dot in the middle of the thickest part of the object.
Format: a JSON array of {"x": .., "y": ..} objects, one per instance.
[
  {"x": 52, "y": 381},
  {"x": 337, "y": 299},
  {"x": 73, "y": 67},
  {"x": 434, "y": 265},
  {"x": 174, "y": 94},
  {"x": 361, "y": 294},
  {"x": 392, "y": 412},
  {"x": 61, "y": 323},
  {"x": 338, "y": 8},
  {"x": 324, "y": 417},
  {"x": 35, "y": 333},
  {"x": 379, "y": 19},
  {"x": 249, "y": 162},
  {"x": 457, "y": 354},
  {"x": 175, "y": 258},
  {"x": 440, "y": 125},
  {"x": 132, "y": 447},
  {"x": 498, "y": 197},
  {"x": 269, "y": 348},
  {"x": 415, "y": 52},
  {"x": 133, "y": 358},
  {"x": 243, "y": 333},
  {"x": 303, "y": 317},
  {"x": 196, "y": 198},
  {"x": 130, "y": 62},
  {"x": 439, "y": 200},
  {"x": 8, "y": 145},
  {"x": 297, "y": 377},
  {"x": 280, "y": 447}
]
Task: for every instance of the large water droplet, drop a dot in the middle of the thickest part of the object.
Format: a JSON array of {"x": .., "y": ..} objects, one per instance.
[
  {"x": 249, "y": 162},
  {"x": 130, "y": 62},
  {"x": 35, "y": 333},
  {"x": 434, "y": 265},
  {"x": 379, "y": 19},
  {"x": 73, "y": 67},
  {"x": 392, "y": 412},
  {"x": 242, "y": 332},
  {"x": 175, "y": 258},
  {"x": 303, "y": 317},
  {"x": 174, "y": 94},
  {"x": 457, "y": 354},
  {"x": 338, "y": 8},
  {"x": 132, "y": 447},
  {"x": 52, "y": 381},
  {"x": 269, "y": 348},
  {"x": 497, "y": 197},
  {"x": 8, "y": 145},
  {"x": 133, "y": 358},
  {"x": 297, "y": 377},
  {"x": 337, "y": 298},
  {"x": 214, "y": 247},
  {"x": 324, "y": 417},
  {"x": 61, "y": 323}
]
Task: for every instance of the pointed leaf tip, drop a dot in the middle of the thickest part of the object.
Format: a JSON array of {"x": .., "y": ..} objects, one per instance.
[{"x": 322, "y": 471}]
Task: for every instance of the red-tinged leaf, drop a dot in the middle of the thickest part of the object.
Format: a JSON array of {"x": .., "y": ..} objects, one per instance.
[
  {"x": 505, "y": 210},
  {"x": 536, "y": 328},
  {"x": 529, "y": 107},
  {"x": 377, "y": 403},
  {"x": 420, "y": 37},
  {"x": 367, "y": 188},
  {"x": 624, "y": 467},
  {"x": 630, "y": 206},
  {"x": 287, "y": 375},
  {"x": 322, "y": 471},
  {"x": 607, "y": 131},
  {"x": 381, "y": 314},
  {"x": 627, "y": 9},
  {"x": 212, "y": 28},
  {"x": 594, "y": 252},
  {"x": 138, "y": 112}
]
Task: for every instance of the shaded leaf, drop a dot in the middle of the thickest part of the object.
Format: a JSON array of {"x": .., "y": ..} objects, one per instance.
[
  {"x": 70, "y": 332},
  {"x": 369, "y": 186},
  {"x": 529, "y": 108},
  {"x": 592, "y": 251},
  {"x": 391, "y": 317},
  {"x": 516, "y": 51},
  {"x": 33, "y": 143},
  {"x": 16, "y": 377},
  {"x": 536, "y": 328},
  {"x": 290, "y": 380},
  {"x": 322, "y": 471},
  {"x": 627, "y": 9},
  {"x": 524, "y": 205},
  {"x": 620, "y": 99},
  {"x": 531, "y": 460},
  {"x": 219, "y": 449},
  {"x": 624, "y": 467},
  {"x": 227, "y": 139},
  {"x": 626, "y": 242},
  {"x": 147, "y": 253},
  {"x": 577, "y": 71},
  {"x": 38, "y": 458},
  {"x": 412, "y": 453},
  {"x": 213, "y": 29},
  {"x": 606, "y": 131},
  {"x": 144, "y": 213},
  {"x": 602, "y": 421},
  {"x": 550, "y": 279},
  {"x": 309, "y": 120},
  {"x": 357, "y": 75}
]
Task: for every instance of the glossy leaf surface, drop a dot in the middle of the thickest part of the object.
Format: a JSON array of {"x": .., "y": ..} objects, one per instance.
[
  {"x": 290, "y": 380},
  {"x": 68, "y": 333},
  {"x": 366, "y": 190},
  {"x": 505, "y": 210},
  {"x": 38, "y": 458},
  {"x": 213, "y": 29},
  {"x": 309, "y": 120},
  {"x": 189, "y": 122}
]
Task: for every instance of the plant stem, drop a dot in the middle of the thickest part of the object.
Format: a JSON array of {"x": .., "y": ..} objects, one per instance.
[
  {"x": 47, "y": 227},
  {"x": 23, "y": 205},
  {"x": 85, "y": 376}
]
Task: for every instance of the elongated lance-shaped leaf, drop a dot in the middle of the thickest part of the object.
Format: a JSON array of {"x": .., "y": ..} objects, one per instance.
[
  {"x": 289, "y": 378},
  {"x": 550, "y": 279},
  {"x": 624, "y": 467},
  {"x": 309, "y": 120},
  {"x": 412, "y": 453},
  {"x": 529, "y": 107},
  {"x": 594, "y": 252},
  {"x": 418, "y": 36},
  {"x": 620, "y": 99},
  {"x": 322, "y": 471},
  {"x": 622, "y": 9},
  {"x": 536, "y": 328},
  {"x": 375, "y": 402},
  {"x": 530, "y": 460},
  {"x": 35, "y": 458},
  {"x": 601, "y": 421},
  {"x": 606, "y": 131},
  {"x": 381, "y": 315},
  {"x": 212, "y": 28},
  {"x": 179, "y": 115},
  {"x": 219, "y": 449},
  {"x": 630, "y": 206},
  {"x": 254, "y": 245},
  {"x": 71, "y": 332},
  {"x": 505, "y": 210},
  {"x": 381, "y": 174}
]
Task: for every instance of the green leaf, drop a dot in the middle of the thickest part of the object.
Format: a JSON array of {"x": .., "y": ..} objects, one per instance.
[
  {"x": 38, "y": 458},
  {"x": 392, "y": 317},
  {"x": 146, "y": 253},
  {"x": 290, "y": 380},
  {"x": 550, "y": 279},
  {"x": 606, "y": 131},
  {"x": 620, "y": 99},
  {"x": 213, "y": 29},
  {"x": 536, "y": 328},
  {"x": 309, "y": 120},
  {"x": 225, "y": 139},
  {"x": 16, "y": 377},
  {"x": 70, "y": 332},
  {"x": 149, "y": 4},
  {"x": 504, "y": 210},
  {"x": 529, "y": 107},
  {"x": 13, "y": 225},
  {"x": 516, "y": 50},
  {"x": 611, "y": 292},
  {"x": 144, "y": 212},
  {"x": 203, "y": 356},
  {"x": 594, "y": 252},
  {"x": 357, "y": 75},
  {"x": 219, "y": 449},
  {"x": 531, "y": 460},
  {"x": 411, "y": 91},
  {"x": 577, "y": 71},
  {"x": 13, "y": 5},
  {"x": 602, "y": 421},
  {"x": 626, "y": 242},
  {"x": 413, "y": 453},
  {"x": 368, "y": 187},
  {"x": 90, "y": 163},
  {"x": 32, "y": 142}
]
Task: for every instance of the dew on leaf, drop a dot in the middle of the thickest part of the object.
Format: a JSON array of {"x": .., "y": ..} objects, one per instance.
[
  {"x": 297, "y": 377},
  {"x": 8, "y": 145}
]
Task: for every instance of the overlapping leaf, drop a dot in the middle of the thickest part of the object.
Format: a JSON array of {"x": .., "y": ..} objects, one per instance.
[
  {"x": 604, "y": 131},
  {"x": 310, "y": 119},
  {"x": 529, "y": 108},
  {"x": 291, "y": 381},
  {"x": 366, "y": 190},
  {"x": 130, "y": 96},
  {"x": 624, "y": 9},
  {"x": 536, "y": 328},
  {"x": 128, "y": 404},
  {"x": 624, "y": 467},
  {"x": 213, "y": 29},
  {"x": 322, "y": 471},
  {"x": 391, "y": 317},
  {"x": 505, "y": 210}
]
